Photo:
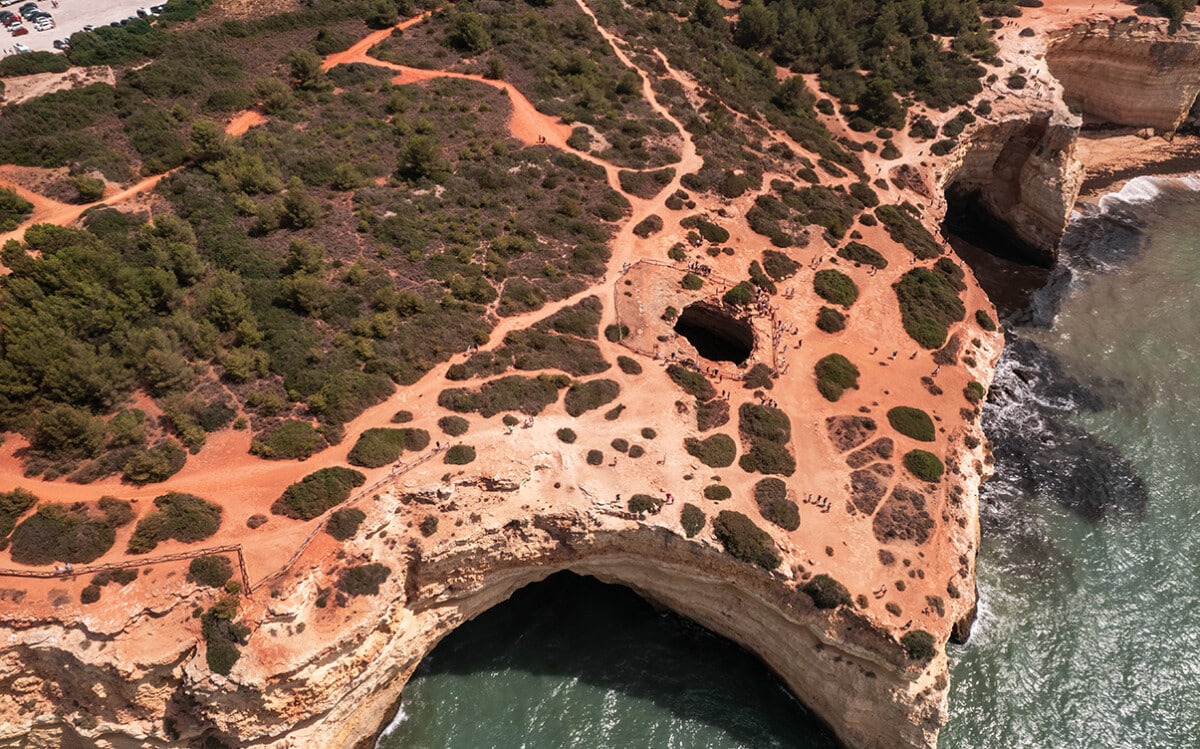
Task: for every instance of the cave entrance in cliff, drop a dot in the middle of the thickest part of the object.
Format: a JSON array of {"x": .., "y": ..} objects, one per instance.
[
  {"x": 1002, "y": 263},
  {"x": 572, "y": 661},
  {"x": 716, "y": 334}
]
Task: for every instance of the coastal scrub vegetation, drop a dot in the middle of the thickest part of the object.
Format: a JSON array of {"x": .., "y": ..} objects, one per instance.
[
  {"x": 691, "y": 519},
  {"x": 918, "y": 645},
  {"x": 717, "y": 492},
  {"x": 645, "y": 504},
  {"x": 582, "y": 397},
  {"x": 835, "y": 374},
  {"x": 454, "y": 426},
  {"x": 857, "y": 252},
  {"x": 826, "y": 592},
  {"x": 289, "y": 440},
  {"x": 905, "y": 228},
  {"x": 776, "y": 508},
  {"x": 380, "y": 446},
  {"x": 930, "y": 303},
  {"x": 835, "y": 287},
  {"x": 912, "y": 422},
  {"x": 716, "y": 451},
  {"x": 767, "y": 431},
  {"x": 744, "y": 540},
  {"x": 566, "y": 435},
  {"x": 211, "y": 571},
  {"x": 77, "y": 533},
  {"x": 343, "y": 524},
  {"x": 528, "y": 395},
  {"x": 924, "y": 465},
  {"x": 459, "y": 455},
  {"x": 829, "y": 320},
  {"x": 178, "y": 516},
  {"x": 223, "y": 635},
  {"x": 692, "y": 382},
  {"x": 317, "y": 492},
  {"x": 364, "y": 579}
]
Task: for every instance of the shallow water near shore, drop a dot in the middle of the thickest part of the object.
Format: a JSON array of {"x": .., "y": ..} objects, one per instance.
[{"x": 1088, "y": 628}]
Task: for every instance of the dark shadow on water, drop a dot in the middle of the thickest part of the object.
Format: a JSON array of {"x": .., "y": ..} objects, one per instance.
[{"x": 577, "y": 628}]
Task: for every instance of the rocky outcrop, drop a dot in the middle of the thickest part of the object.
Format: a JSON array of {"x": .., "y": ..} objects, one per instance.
[
  {"x": 339, "y": 691},
  {"x": 1128, "y": 73},
  {"x": 1021, "y": 174}
]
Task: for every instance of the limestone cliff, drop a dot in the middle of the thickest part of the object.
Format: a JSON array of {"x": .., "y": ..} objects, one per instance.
[
  {"x": 1128, "y": 73},
  {"x": 1020, "y": 171}
]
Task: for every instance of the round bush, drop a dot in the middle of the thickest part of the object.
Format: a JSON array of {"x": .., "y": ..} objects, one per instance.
[
  {"x": 985, "y": 321},
  {"x": 912, "y": 422},
  {"x": 826, "y": 592},
  {"x": 643, "y": 504},
  {"x": 692, "y": 519},
  {"x": 620, "y": 445},
  {"x": 455, "y": 426},
  {"x": 317, "y": 492},
  {"x": 717, "y": 451},
  {"x": 776, "y": 508},
  {"x": 835, "y": 287},
  {"x": 918, "y": 644},
  {"x": 459, "y": 455},
  {"x": 830, "y": 320},
  {"x": 629, "y": 366},
  {"x": 179, "y": 516},
  {"x": 380, "y": 446},
  {"x": 924, "y": 465},
  {"x": 717, "y": 493},
  {"x": 835, "y": 374},
  {"x": 364, "y": 580},
  {"x": 402, "y": 417},
  {"x": 256, "y": 521},
  {"x": 648, "y": 433},
  {"x": 90, "y": 594},
  {"x": 595, "y": 457},
  {"x": 636, "y": 451},
  {"x": 586, "y": 396},
  {"x": 429, "y": 525},
  {"x": 212, "y": 571},
  {"x": 566, "y": 435},
  {"x": 291, "y": 440}
]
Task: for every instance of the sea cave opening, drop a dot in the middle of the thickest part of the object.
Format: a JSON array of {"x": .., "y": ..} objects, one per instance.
[
  {"x": 716, "y": 334},
  {"x": 1003, "y": 263},
  {"x": 572, "y": 661}
]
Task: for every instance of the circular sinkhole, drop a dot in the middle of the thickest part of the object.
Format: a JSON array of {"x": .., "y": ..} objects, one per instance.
[{"x": 716, "y": 334}]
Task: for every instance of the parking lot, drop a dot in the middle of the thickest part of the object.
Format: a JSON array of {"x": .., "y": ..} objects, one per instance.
[{"x": 70, "y": 16}]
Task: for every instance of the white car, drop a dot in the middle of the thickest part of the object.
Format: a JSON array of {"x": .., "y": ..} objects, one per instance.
[
  {"x": 43, "y": 24},
  {"x": 21, "y": 49}
]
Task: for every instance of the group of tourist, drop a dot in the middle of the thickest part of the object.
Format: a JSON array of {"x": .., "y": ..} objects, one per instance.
[
  {"x": 699, "y": 267},
  {"x": 820, "y": 501}
]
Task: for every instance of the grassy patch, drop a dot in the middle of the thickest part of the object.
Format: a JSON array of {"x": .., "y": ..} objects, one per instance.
[
  {"x": 629, "y": 366},
  {"x": 712, "y": 414},
  {"x": 918, "y": 645},
  {"x": 985, "y": 321},
  {"x": 778, "y": 265},
  {"x": 645, "y": 504},
  {"x": 212, "y": 571},
  {"x": 717, "y": 492}
]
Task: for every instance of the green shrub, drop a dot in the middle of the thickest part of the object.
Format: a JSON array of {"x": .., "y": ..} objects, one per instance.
[
  {"x": 620, "y": 444},
  {"x": 857, "y": 252},
  {"x": 918, "y": 644},
  {"x": 692, "y": 519},
  {"x": 586, "y": 396},
  {"x": 32, "y": 63},
  {"x": 156, "y": 464},
  {"x": 924, "y": 465},
  {"x": 290, "y": 440},
  {"x": 973, "y": 392},
  {"x": 691, "y": 282},
  {"x": 908, "y": 231},
  {"x": 744, "y": 540},
  {"x": 830, "y": 320},
  {"x": 648, "y": 433},
  {"x": 912, "y": 422},
  {"x": 364, "y": 579},
  {"x": 741, "y": 295},
  {"x": 429, "y": 525},
  {"x": 835, "y": 287},
  {"x": 929, "y": 302},
  {"x": 629, "y": 366},
  {"x": 343, "y": 524},
  {"x": 595, "y": 457},
  {"x": 459, "y": 455},
  {"x": 758, "y": 378},
  {"x": 826, "y": 592},
  {"x": 615, "y": 333},
  {"x": 985, "y": 321},
  {"x": 771, "y": 496},
  {"x": 943, "y": 147},
  {"x": 89, "y": 594},
  {"x": 455, "y": 426},
  {"x": 652, "y": 224},
  {"x": 566, "y": 435},
  {"x": 78, "y": 533},
  {"x": 644, "y": 504},
  {"x": 380, "y": 446},
  {"x": 317, "y": 492},
  {"x": 768, "y": 431},
  {"x": 636, "y": 451},
  {"x": 778, "y": 265},
  {"x": 212, "y": 571},
  {"x": 692, "y": 382},
  {"x": 835, "y": 374},
  {"x": 402, "y": 417},
  {"x": 717, "y": 492},
  {"x": 717, "y": 451},
  {"x": 182, "y": 517}
]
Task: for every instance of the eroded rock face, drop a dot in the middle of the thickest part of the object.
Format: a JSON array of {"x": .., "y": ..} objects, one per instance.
[
  {"x": 1020, "y": 174},
  {"x": 1128, "y": 73},
  {"x": 339, "y": 692}
]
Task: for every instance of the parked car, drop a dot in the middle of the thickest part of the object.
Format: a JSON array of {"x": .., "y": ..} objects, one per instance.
[
  {"x": 21, "y": 48},
  {"x": 88, "y": 27},
  {"x": 43, "y": 24},
  {"x": 8, "y": 2},
  {"x": 12, "y": 24},
  {"x": 62, "y": 44},
  {"x": 19, "y": 31},
  {"x": 155, "y": 9}
]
